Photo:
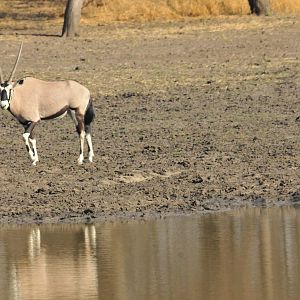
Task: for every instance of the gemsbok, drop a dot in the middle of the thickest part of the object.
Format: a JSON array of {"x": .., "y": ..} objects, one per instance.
[{"x": 31, "y": 100}]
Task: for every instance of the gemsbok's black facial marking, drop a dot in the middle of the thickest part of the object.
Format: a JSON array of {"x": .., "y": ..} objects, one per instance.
[{"x": 4, "y": 96}]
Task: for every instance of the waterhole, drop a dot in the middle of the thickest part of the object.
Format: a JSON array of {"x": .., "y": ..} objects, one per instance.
[{"x": 245, "y": 254}]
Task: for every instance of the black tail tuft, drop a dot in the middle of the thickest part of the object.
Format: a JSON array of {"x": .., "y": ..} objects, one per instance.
[{"x": 89, "y": 117}]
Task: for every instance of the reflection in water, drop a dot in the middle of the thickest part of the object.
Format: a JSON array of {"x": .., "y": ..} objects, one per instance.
[{"x": 247, "y": 254}]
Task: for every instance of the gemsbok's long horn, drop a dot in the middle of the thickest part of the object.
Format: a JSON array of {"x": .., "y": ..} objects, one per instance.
[
  {"x": 16, "y": 63},
  {"x": 1, "y": 77}
]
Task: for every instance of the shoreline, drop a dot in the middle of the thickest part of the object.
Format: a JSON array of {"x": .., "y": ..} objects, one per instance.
[{"x": 91, "y": 218}]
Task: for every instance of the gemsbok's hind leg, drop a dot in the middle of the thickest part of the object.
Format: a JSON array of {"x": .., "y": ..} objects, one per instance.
[
  {"x": 88, "y": 119},
  {"x": 71, "y": 113},
  {"x": 81, "y": 133},
  {"x": 81, "y": 157},
  {"x": 83, "y": 128},
  {"x": 78, "y": 121},
  {"x": 88, "y": 137}
]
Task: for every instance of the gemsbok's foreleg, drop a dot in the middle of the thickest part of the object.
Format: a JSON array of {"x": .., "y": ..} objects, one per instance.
[
  {"x": 33, "y": 143},
  {"x": 90, "y": 145},
  {"x": 30, "y": 142}
]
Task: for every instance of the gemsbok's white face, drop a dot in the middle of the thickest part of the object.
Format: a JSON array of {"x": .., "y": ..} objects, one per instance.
[{"x": 5, "y": 93}]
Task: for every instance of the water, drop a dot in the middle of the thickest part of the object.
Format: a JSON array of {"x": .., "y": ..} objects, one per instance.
[{"x": 246, "y": 254}]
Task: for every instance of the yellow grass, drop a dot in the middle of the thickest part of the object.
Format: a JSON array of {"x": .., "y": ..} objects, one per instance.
[
  {"x": 124, "y": 10},
  {"x": 286, "y": 6},
  {"x": 105, "y": 11}
]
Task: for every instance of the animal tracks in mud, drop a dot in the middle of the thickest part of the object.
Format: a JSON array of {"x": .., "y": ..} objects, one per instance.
[{"x": 139, "y": 176}]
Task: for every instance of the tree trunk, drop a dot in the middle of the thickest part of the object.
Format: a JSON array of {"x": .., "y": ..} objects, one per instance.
[
  {"x": 260, "y": 7},
  {"x": 72, "y": 18}
]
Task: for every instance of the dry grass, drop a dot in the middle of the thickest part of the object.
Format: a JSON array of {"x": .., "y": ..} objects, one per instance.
[
  {"x": 145, "y": 10},
  {"x": 105, "y": 11},
  {"x": 286, "y": 6},
  {"x": 124, "y": 10}
]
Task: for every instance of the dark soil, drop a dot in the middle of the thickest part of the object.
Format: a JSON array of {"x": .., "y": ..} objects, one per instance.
[{"x": 193, "y": 116}]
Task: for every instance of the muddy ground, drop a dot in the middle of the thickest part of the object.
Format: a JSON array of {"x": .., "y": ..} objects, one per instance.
[{"x": 192, "y": 116}]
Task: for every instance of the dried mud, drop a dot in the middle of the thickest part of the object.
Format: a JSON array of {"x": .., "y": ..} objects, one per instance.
[{"x": 193, "y": 116}]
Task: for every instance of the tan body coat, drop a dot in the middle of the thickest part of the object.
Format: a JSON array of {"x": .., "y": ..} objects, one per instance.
[{"x": 26, "y": 104}]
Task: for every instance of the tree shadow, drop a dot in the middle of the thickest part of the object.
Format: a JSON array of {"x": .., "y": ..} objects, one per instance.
[
  {"x": 33, "y": 34},
  {"x": 40, "y": 34}
]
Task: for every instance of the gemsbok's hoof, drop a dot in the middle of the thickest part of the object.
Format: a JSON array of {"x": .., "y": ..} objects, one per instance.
[
  {"x": 80, "y": 160},
  {"x": 91, "y": 158}
]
